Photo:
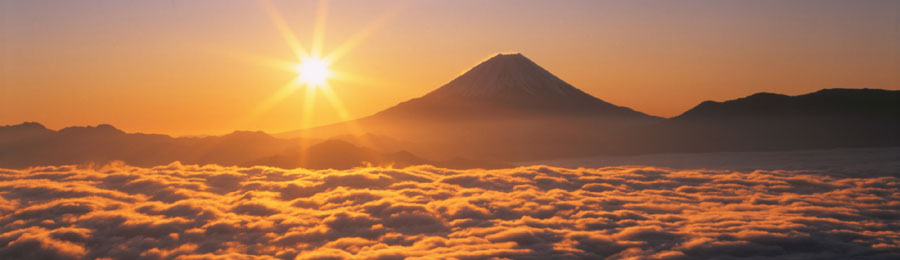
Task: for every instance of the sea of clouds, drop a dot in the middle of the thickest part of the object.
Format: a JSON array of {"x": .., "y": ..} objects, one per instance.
[{"x": 532, "y": 212}]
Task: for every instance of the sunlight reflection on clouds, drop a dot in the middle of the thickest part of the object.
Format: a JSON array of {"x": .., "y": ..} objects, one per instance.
[{"x": 533, "y": 212}]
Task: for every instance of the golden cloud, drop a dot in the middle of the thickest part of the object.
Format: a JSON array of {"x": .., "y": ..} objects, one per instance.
[{"x": 537, "y": 212}]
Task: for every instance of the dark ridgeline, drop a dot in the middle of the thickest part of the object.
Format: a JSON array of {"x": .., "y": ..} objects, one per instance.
[
  {"x": 867, "y": 103},
  {"x": 505, "y": 109},
  {"x": 37, "y": 145},
  {"x": 829, "y": 118},
  {"x": 32, "y": 144}
]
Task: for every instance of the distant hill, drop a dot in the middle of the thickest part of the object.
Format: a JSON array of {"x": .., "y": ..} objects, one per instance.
[
  {"x": 866, "y": 103},
  {"x": 829, "y": 118},
  {"x": 32, "y": 144}
]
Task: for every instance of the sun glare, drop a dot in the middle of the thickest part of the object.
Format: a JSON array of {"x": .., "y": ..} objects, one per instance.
[
  {"x": 313, "y": 67},
  {"x": 313, "y": 71}
]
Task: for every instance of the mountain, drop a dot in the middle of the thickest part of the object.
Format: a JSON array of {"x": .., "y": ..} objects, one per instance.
[
  {"x": 506, "y": 108},
  {"x": 104, "y": 143},
  {"x": 507, "y": 86},
  {"x": 23, "y": 131},
  {"x": 32, "y": 144},
  {"x": 865, "y": 103},
  {"x": 829, "y": 118}
]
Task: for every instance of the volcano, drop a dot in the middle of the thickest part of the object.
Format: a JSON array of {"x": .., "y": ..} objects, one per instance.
[
  {"x": 506, "y": 86},
  {"x": 506, "y": 103}
]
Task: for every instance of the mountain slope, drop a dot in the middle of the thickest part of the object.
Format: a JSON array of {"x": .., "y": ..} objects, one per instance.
[
  {"x": 105, "y": 143},
  {"x": 826, "y": 102},
  {"x": 829, "y": 118},
  {"x": 507, "y": 85},
  {"x": 506, "y": 108},
  {"x": 32, "y": 144}
]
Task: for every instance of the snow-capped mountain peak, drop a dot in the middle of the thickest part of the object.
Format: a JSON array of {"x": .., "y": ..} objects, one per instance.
[{"x": 508, "y": 74}]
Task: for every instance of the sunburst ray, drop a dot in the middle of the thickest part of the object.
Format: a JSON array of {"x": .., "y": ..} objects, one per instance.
[
  {"x": 286, "y": 33},
  {"x": 319, "y": 30},
  {"x": 360, "y": 36},
  {"x": 315, "y": 53}
]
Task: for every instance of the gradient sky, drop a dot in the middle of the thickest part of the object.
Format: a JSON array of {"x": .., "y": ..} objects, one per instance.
[{"x": 181, "y": 67}]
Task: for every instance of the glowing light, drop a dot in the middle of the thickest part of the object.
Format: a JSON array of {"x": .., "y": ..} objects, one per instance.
[
  {"x": 313, "y": 71},
  {"x": 313, "y": 68}
]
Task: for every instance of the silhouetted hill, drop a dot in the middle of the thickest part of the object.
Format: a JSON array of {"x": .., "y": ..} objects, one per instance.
[
  {"x": 829, "y": 118},
  {"x": 32, "y": 144},
  {"x": 23, "y": 131},
  {"x": 822, "y": 103},
  {"x": 105, "y": 143}
]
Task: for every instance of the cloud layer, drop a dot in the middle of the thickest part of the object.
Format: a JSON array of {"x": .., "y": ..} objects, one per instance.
[{"x": 535, "y": 212}]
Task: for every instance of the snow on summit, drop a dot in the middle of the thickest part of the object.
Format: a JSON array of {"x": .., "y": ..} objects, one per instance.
[{"x": 505, "y": 73}]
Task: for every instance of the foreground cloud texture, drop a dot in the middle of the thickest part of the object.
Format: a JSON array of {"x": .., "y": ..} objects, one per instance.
[{"x": 536, "y": 212}]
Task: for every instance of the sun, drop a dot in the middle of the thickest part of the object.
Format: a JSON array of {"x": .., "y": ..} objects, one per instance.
[
  {"x": 312, "y": 67},
  {"x": 313, "y": 71}
]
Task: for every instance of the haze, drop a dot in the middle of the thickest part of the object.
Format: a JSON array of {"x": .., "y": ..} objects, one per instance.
[{"x": 179, "y": 67}]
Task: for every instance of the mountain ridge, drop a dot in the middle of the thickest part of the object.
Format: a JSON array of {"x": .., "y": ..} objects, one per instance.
[
  {"x": 824, "y": 102},
  {"x": 32, "y": 144},
  {"x": 786, "y": 123},
  {"x": 824, "y": 119}
]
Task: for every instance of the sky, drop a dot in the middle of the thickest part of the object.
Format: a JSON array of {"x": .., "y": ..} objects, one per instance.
[{"x": 196, "y": 67}]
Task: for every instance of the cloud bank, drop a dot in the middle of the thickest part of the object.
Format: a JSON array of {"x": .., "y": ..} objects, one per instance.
[{"x": 535, "y": 212}]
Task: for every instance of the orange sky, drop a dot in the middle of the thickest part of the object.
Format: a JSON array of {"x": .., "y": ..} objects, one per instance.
[{"x": 181, "y": 67}]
